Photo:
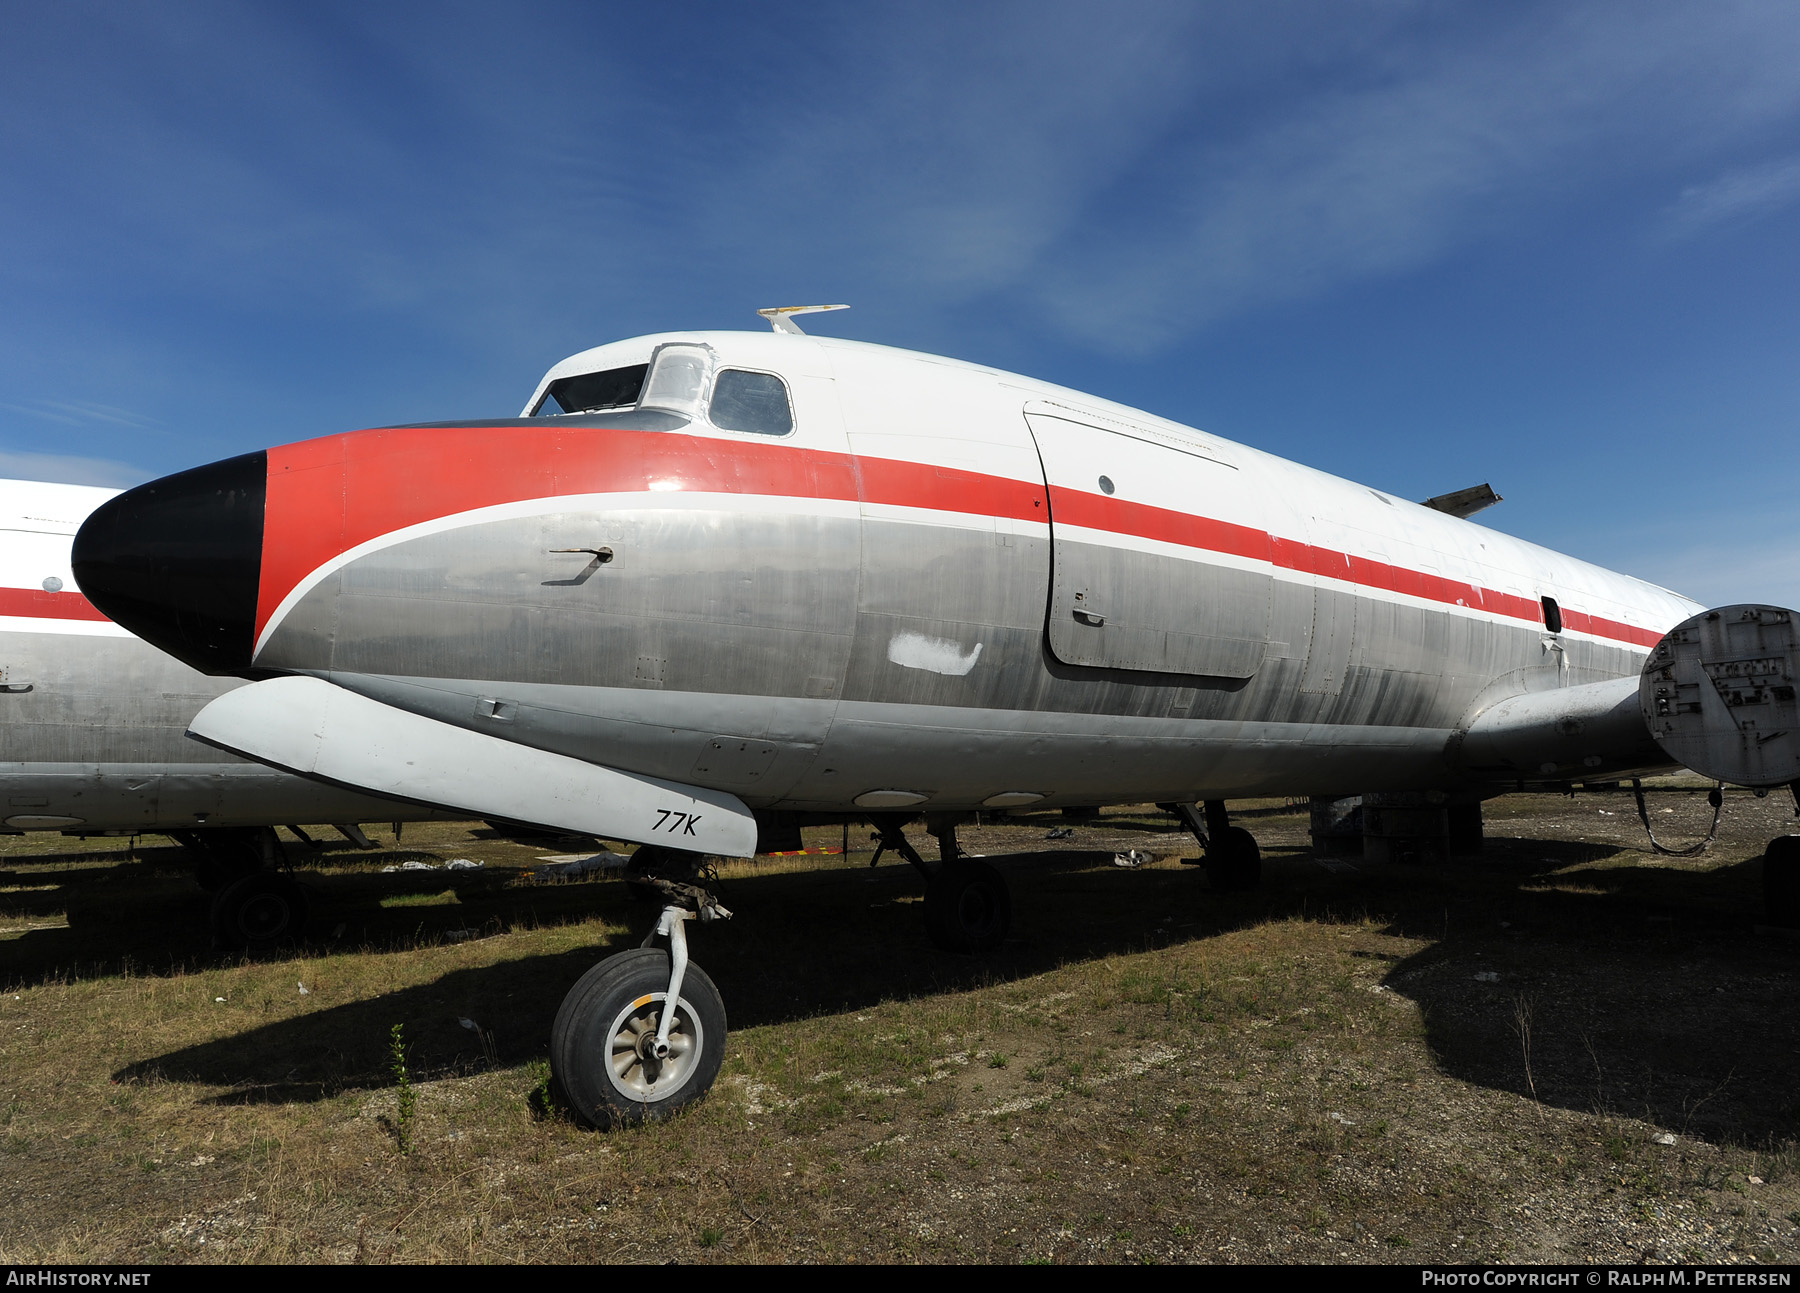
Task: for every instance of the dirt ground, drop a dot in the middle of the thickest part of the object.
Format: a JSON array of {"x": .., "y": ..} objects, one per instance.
[{"x": 1564, "y": 1049}]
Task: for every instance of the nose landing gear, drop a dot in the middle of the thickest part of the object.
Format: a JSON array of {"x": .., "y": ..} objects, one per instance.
[{"x": 643, "y": 1033}]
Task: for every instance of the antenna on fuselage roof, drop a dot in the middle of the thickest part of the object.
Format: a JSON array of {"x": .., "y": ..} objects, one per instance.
[{"x": 781, "y": 318}]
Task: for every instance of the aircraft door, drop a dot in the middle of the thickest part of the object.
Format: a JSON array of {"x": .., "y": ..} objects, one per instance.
[{"x": 1159, "y": 548}]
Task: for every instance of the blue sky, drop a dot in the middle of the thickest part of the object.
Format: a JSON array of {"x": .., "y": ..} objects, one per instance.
[{"x": 1551, "y": 246}]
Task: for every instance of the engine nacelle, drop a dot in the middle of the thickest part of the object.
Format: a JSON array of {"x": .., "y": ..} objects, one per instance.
[{"x": 1718, "y": 694}]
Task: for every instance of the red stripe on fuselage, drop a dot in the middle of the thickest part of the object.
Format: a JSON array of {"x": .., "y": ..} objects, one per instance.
[
  {"x": 35, "y": 603},
  {"x": 329, "y": 495},
  {"x": 1117, "y": 516}
]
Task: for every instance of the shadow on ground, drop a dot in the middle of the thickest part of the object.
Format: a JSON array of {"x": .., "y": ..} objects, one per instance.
[
  {"x": 149, "y": 916},
  {"x": 1622, "y": 990},
  {"x": 1581, "y": 974}
]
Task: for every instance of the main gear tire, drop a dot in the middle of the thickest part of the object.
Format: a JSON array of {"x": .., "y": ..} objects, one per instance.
[
  {"x": 1781, "y": 882},
  {"x": 968, "y": 907},
  {"x": 259, "y": 911},
  {"x": 1233, "y": 861},
  {"x": 602, "y": 1043}
]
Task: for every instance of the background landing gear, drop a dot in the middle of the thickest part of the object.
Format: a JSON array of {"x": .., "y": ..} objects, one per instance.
[
  {"x": 259, "y": 910},
  {"x": 256, "y": 904},
  {"x": 1233, "y": 862},
  {"x": 222, "y": 854},
  {"x": 968, "y": 906},
  {"x": 1781, "y": 882}
]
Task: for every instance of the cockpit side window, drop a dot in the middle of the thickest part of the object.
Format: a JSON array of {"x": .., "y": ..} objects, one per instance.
[
  {"x": 747, "y": 401},
  {"x": 616, "y": 388},
  {"x": 678, "y": 378}
]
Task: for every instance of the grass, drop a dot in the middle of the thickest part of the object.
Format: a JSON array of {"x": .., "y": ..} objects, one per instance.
[{"x": 1147, "y": 1071}]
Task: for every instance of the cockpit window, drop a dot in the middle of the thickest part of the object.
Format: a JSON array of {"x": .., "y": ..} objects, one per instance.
[
  {"x": 678, "y": 374},
  {"x": 680, "y": 383},
  {"x": 746, "y": 401},
  {"x": 616, "y": 388}
]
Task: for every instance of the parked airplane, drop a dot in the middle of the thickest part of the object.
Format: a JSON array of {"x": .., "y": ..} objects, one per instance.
[
  {"x": 92, "y": 724},
  {"x": 709, "y": 578}
]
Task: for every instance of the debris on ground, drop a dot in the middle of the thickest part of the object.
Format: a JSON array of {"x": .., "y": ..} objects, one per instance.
[{"x": 568, "y": 866}]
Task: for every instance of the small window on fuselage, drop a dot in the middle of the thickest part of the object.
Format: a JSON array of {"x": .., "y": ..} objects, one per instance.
[
  {"x": 616, "y": 388},
  {"x": 1552, "y": 615},
  {"x": 747, "y": 401}
]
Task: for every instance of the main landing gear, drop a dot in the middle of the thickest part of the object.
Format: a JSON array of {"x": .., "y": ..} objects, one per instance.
[
  {"x": 1232, "y": 859},
  {"x": 968, "y": 907},
  {"x": 1781, "y": 875},
  {"x": 643, "y": 1032},
  {"x": 256, "y": 903}
]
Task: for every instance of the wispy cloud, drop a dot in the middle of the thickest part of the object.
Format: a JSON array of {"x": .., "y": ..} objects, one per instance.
[
  {"x": 1397, "y": 170},
  {"x": 77, "y": 413},
  {"x": 1118, "y": 179},
  {"x": 1741, "y": 194},
  {"x": 41, "y": 413},
  {"x": 70, "y": 469},
  {"x": 1186, "y": 165}
]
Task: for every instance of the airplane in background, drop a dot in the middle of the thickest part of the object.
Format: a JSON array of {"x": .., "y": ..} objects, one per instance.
[
  {"x": 711, "y": 583},
  {"x": 92, "y": 733}
]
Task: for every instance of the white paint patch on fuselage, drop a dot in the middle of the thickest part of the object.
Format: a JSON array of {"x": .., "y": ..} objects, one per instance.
[{"x": 934, "y": 655}]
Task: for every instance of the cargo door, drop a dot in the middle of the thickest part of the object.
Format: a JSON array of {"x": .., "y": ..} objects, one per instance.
[{"x": 1160, "y": 553}]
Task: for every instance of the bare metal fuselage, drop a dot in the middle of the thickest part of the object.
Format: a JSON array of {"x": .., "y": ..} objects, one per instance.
[{"x": 945, "y": 587}]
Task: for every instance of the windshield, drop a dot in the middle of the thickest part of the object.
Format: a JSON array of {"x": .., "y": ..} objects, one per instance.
[
  {"x": 616, "y": 388},
  {"x": 681, "y": 383}
]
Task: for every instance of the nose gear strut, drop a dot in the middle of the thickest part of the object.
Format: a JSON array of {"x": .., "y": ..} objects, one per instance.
[{"x": 643, "y": 1032}]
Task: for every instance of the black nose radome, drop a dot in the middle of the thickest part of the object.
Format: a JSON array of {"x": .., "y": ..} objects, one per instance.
[{"x": 178, "y": 561}]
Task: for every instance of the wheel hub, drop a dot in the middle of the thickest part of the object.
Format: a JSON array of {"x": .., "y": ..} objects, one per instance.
[
  {"x": 640, "y": 1068},
  {"x": 975, "y": 908},
  {"x": 264, "y": 916}
]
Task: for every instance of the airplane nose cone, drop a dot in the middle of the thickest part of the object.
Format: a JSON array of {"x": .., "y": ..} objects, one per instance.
[{"x": 178, "y": 561}]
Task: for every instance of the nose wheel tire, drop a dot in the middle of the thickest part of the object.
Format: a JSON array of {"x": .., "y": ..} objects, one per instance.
[
  {"x": 968, "y": 907},
  {"x": 603, "y": 1049},
  {"x": 1233, "y": 861},
  {"x": 259, "y": 910}
]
